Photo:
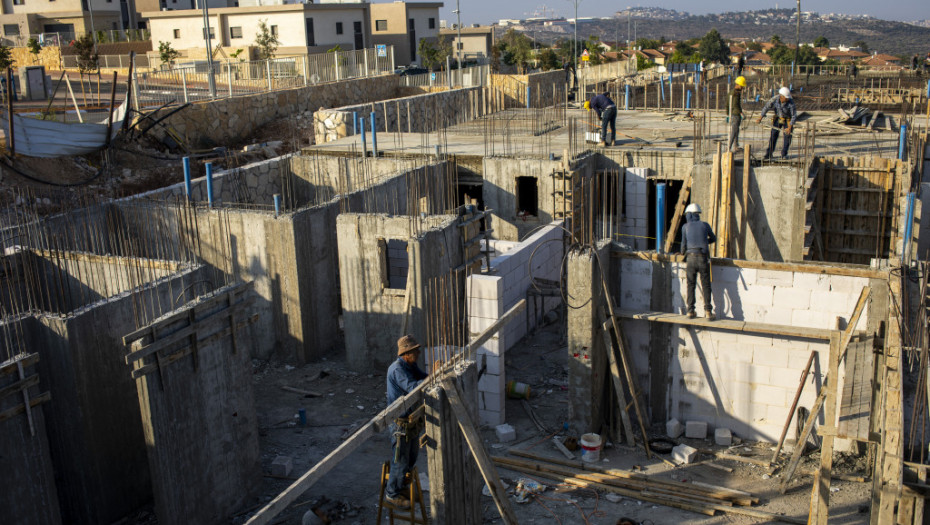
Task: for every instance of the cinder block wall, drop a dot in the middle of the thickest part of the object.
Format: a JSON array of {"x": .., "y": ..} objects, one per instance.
[
  {"x": 491, "y": 296},
  {"x": 634, "y": 226}
]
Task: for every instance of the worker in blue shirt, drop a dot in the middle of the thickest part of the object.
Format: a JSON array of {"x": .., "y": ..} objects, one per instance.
[
  {"x": 785, "y": 114},
  {"x": 696, "y": 238},
  {"x": 607, "y": 112},
  {"x": 402, "y": 377}
]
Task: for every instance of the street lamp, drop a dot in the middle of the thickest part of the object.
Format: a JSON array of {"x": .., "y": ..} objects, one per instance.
[
  {"x": 458, "y": 44},
  {"x": 575, "y": 42},
  {"x": 206, "y": 34}
]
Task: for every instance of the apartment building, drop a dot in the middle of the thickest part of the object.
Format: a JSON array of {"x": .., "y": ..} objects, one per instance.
[
  {"x": 21, "y": 18},
  {"x": 403, "y": 25},
  {"x": 475, "y": 45}
]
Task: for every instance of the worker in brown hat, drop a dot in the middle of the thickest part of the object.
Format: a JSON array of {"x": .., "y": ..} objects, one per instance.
[{"x": 402, "y": 377}]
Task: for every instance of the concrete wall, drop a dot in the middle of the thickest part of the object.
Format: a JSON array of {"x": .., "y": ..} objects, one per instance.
[
  {"x": 419, "y": 113},
  {"x": 374, "y": 315},
  {"x": 634, "y": 224},
  {"x": 229, "y": 120},
  {"x": 491, "y": 296},
  {"x": 27, "y": 488},
  {"x": 545, "y": 88}
]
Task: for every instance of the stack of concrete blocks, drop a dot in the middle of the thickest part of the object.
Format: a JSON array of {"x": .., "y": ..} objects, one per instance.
[
  {"x": 738, "y": 380},
  {"x": 491, "y": 296},
  {"x": 634, "y": 226},
  {"x": 419, "y": 113}
]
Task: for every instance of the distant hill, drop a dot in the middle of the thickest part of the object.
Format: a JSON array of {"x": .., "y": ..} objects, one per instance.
[{"x": 895, "y": 38}]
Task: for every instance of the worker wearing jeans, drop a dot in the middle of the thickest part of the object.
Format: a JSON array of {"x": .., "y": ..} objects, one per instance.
[
  {"x": 696, "y": 236},
  {"x": 786, "y": 114},
  {"x": 735, "y": 112},
  {"x": 402, "y": 377},
  {"x": 607, "y": 112}
]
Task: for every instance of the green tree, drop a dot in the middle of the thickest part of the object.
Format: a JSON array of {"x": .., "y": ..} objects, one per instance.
[
  {"x": 861, "y": 45},
  {"x": 167, "y": 54},
  {"x": 678, "y": 58},
  {"x": 684, "y": 49},
  {"x": 235, "y": 56},
  {"x": 648, "y": 43},
  {"x": 516, "y": 50},
  {"x": 821, "y": 41},
  {"x": 266, "y": 41},
  {"x": 548, "y": 60},
  {"x": 6, "y": 58},
  {"x": 87, "y": 57},
  {"x": 754, "y": 46},
  {"x": 713, "y": 48},
  {"x": 432, "y": 54},
  {"x": 643, "y": 63},
  {"x": 592, "y": 44},
  {"x": 775, "y": 40},
  {"x": 784, "y": 56},
  {"x": 34, "y": 49}
]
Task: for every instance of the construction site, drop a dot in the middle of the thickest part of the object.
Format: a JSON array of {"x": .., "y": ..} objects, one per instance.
[{"x": 198, "y": 317}]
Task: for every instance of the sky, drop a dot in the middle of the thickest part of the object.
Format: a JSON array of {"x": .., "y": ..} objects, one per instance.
[{"x": 487, "y": 11}]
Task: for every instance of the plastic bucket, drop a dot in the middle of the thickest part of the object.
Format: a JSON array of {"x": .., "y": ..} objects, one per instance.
[
  {"x": 517, "y": 390},
  {"x": 590, "y": 448}
]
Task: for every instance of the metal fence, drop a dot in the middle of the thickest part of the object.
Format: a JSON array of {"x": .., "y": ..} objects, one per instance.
[
  {"x": 64, "y": 39},
  {"x": 191, "y": 81},
  {"x": 465, "y": 77},
  {"x": 105, "y": 62}
]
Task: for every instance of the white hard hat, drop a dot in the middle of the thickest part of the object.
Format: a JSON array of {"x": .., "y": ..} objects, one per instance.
[
  {"x": 785, "y": 92},
  {"x": 693, "y": 208}
]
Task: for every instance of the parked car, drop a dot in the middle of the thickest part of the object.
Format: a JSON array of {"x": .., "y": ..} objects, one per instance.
[{"x": 407, "y": 71}]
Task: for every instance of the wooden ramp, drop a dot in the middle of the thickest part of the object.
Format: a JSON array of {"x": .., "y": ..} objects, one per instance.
[{"x": 856, "y": 402}]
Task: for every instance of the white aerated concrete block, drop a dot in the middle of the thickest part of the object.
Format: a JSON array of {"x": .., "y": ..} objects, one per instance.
[
  {"x": 683, "y": 454},
  {"x": 696, "y": 429},
  {"x": 723, "y": 437},
  {"x": 774, "y": 277},
  {"x": 491, "y": 383},
  {"x": 490, "y": 417},
  {"x": 505, "y": 433},
  {"x": 673, "y": 428},
  {"x": 281, "y": 466}
]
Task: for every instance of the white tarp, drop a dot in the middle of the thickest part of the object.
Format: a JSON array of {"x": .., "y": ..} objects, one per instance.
[{"x": 47, "y": 138}]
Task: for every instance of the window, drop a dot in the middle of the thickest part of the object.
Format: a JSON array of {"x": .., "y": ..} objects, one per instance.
[
  {"x": 19, "y": 2},
  {"x": 235, "y": 32},
  {"x": 394, "y": 263},
  {"x": 410, "y": 24},
  {"x": 11, "y": 29},
  {"x": 338, "y": 28},
  {"x": 177, "y": 33},
  {"x": 380, "y": 25},
  {"x": 432, "y": 23},
  {"x": 311, "y": 40},
  {"x": 527, "y": 197},
  {"x": 212, "y": 33},
  {"x": 357, "y": 27},
  {"x": 274, "y": 30}
]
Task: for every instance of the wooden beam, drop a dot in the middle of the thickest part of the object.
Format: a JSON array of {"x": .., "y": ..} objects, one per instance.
[
  {"x": 679, "y": 213},
  {"x": 826, "y": 444},
  {"x": 618, "y": 385},
  {"x": 730, "y": 324},
  {"x": 848, "y": 270},
  {"x": 743, "y": 232},
  {"x": 488, "y": 472}
]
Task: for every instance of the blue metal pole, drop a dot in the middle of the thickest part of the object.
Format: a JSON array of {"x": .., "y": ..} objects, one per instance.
[
  {"x": 626, "y": 98},
  {"x": 902, "y": 141},
  {"x": 758, "y": 96},
  {"x": 355, "y": 122},
  {"x": 928, "y": 89},
  {"x": 660, "y": 217},
  {"x": 688, "y": 102},
  {"x": 361, "y": 122},
  {"x": 374, "y": 137},
  {"x": 210, "y": 184},
  {"x": 527, "y": 97},
  {"x": 662, "y": 89},
  {"x": 277, "y": 204},
  {"x": 908, "y": 225},
  {"x": 187, "y": 176}
]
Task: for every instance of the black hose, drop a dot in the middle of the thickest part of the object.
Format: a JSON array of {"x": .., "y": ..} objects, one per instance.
[{"x": 59, "y": 184}]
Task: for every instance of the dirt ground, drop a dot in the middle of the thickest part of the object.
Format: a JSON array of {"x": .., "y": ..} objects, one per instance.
[{"x": 349, "y": 493}]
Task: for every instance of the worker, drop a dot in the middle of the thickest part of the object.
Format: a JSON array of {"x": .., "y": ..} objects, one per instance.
[
  {"x": 696, "y": 236},
  {"x": 607, "y": 112},
  {"x": 741, "y": 63},
  {"x": 735, "y": 112},
  {"x": 402, "y": 377},
  {"x": 784, "y": 115}
]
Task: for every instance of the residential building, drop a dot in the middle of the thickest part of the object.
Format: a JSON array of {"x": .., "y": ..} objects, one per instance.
[
  {"x": 145, "y": 6},
  {"x": 403, "y": 25},
  {"x": 300, "y": 28},
  {"x": 476, "y": 42},
  {"x": 21, "y": 18}
]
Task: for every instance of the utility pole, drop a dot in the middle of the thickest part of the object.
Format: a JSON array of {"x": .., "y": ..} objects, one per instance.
[
  {"x": 93, "y": 31},
  {"x": 458, "y": 44},
  {"x": 206, "y": 34},
  {"x": 575, "y": 42},
  {"x": 797, "y": 49}
]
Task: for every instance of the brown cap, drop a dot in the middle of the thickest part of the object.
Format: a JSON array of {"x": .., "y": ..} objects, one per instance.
[{"x": 406, "y": 344}]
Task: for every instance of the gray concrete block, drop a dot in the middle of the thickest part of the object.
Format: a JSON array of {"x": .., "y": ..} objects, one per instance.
[
  {"x": 505, "y": 433},
  {"x": 683, "y": 454},
  {"x": 696, "y": 429},
  {"x": 673, "y": 428},
  {"x": 281, "y": 466},
  {"x": 723, "y": 437}
]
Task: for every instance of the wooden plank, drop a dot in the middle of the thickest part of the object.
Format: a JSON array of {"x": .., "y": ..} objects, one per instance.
[
  {"x": 12, "y": 366},
  {"x": 729, "y": 324},
  {"x": 617, "y": 384},
  {"x": 485, "y": 466},
  {"x": 848, "y": 270},
  {"x": 919, "y": 502},
  {"x": 19, "y": 409},
  {"x": 743, "y": 231},
  {"x": 726, "y": 199},
  {"x": 683, "y": 197},
  {"x": 206, "y": 304},
  {"x": 856, "y": 401},
  {"x": 794, "y": 405},
  {"x": 16, "y": 387},
  {"x": 802, "y": 440},
  {"x": 826, "y": 447},
  {"x": 495, "y": 326}
]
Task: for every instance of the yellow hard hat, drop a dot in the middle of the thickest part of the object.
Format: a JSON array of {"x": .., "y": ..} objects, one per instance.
[
  {"x": 587, "y": 104},
  {"x": 741, "y": 81}
]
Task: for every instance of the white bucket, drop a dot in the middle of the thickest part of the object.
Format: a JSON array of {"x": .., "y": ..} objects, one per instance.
[{"x": 590, "y": 448}]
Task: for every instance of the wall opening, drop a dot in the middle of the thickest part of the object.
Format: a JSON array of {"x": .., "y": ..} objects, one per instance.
[
  {"x": 394, "y": 263},
  {"x": 527, "y": 197},
  {"x": 672, "y": 190}
]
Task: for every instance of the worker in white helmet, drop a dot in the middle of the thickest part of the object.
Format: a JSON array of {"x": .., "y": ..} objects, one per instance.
[
  {"x": 735, "y": 112},
  {"x": 784, "y": 114},
  {"x": 696, "y": 238}
]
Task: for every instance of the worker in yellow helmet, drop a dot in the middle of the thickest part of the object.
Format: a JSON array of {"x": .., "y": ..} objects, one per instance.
[
  {"x": 735, "y": 112},
  {"x": 587, "y": 105}
]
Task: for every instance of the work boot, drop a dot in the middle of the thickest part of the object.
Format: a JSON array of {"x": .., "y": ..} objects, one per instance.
[
  {"x": 691, "y": 314},
  {"x": 710, "y": 315},
  {"x": 400, "y": 501}
]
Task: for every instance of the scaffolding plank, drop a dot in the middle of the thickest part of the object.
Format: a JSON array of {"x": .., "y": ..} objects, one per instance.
[
  {"x": 856, "y": 403},
  {"x": 730, "y": 324}
]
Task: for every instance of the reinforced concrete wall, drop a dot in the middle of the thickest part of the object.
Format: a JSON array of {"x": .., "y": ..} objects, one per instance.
[
  {"x": 415, "y": 114},
  {"x": 374, "y": 305},
  {"x": 491, "y": 296}
]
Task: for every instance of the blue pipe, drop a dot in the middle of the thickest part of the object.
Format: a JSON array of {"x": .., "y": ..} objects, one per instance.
[
  {"x": 527, "y": 97},
  {"x": 355, "y": 122},
  {"x": 909, "y": 221},
  {"x": 792, "y": 68},
  {"x": 688, "y": 101},
  {"x": 374, "y": 136},
  {"x": 757, "y": 97},
  {"x": 187, "y": 176},
  {"x": 210, "y": 184},
  {"x": 660, "y": 217},
  {"x": 902, "y": 141},
  {"x": 662, "y": 89},
  {"x": 277, "y": 204},
  {"x": 362, "y": 127},
  {"x": 928, "y": 89},
  {"x": 626, "y": 98}
]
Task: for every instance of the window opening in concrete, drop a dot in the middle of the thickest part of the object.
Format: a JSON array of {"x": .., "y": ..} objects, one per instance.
[
  {"x": 311, "y": 39},
  {"x": 338, "y": 28},
  {"x": 471, "y": 193},
  {"x": 212, "y": 33},
  {"x": 177, "y": 33},
  {"x": 672, "y": 190},
  {"x": 395, "y": 263},
  {"x": 380, "y": 25},
  {"x": 235, "y": 32},
  {"x": 527, "y": 197}
]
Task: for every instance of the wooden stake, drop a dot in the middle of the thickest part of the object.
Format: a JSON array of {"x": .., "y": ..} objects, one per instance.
[
  {"x": 618, "y": 386},
  {"x": 794, "y": 404},
  {"x": 112, "y": 102},
  {"x": 73, "y": 99},
  {"x": 744, "y": 232}
]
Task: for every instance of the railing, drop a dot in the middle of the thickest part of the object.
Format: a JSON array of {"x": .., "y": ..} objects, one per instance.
[
  {"x": 465, "y": 77},
  {"x": 64, "y": 39},
  {"x": 190, "y": 81},
  {"x": 107, "y": 62}
]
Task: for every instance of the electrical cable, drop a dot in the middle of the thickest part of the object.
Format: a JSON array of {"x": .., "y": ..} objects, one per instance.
[{"x": 50, "y": 183}]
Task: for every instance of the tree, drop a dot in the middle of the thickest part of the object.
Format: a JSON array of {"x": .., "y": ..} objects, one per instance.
[
  {"x": 434, "y": 55},
  {"x": 648, "y": 43},
  {"x": 643, "y": 63},
  {"x": 678, "y": 58},
  {"x": 6, "y": 58},
  {"x": 784, "y": 56},
  {"x": 592, "y": 45},
  {"x": 861, "y": 45},
  {"x": 548, "y": 60},
  {"x": 754, "y": 46},
  {"x": 516, "y": 50},
  {"x": 87, "y": 59},
  {"x": 775, "y": 40},
  {"x": 235, "y": 56},
  {"x": 34, "y": 49},
  {"x": 684, "y": 49},
  {"x": 266, "y": 41},
  {"x": 713, "y": 48},
  {"x": 821, "y": 41},
  {"x": 167, "y": 54}
]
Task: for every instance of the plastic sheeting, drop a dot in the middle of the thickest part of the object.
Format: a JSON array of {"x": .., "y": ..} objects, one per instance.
[{"x": 48, "y": 138}]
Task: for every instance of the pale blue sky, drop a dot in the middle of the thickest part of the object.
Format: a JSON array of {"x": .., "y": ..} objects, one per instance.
[{"x": 487, "y": 11}]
